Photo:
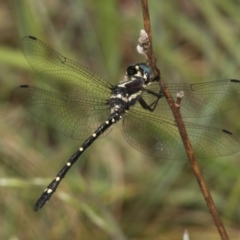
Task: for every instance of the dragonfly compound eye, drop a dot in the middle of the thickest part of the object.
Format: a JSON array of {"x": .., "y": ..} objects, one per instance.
[{"x": 132, "y": 70}]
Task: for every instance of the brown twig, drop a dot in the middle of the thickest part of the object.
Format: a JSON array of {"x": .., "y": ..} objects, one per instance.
[{"x": 182, "y": 130}]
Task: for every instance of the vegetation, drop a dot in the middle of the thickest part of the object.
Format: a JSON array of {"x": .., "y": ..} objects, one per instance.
[{"x": 114, "y": 192}]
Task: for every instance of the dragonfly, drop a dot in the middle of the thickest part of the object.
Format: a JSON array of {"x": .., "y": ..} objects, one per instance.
[{"x": 83, "y": 106}]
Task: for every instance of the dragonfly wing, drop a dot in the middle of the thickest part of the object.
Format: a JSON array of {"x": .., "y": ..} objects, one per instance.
[
  {"x": 60, "y": 72},
  {"x": 200, "y": 99},
  {"x": 159, "y": 137},
  {"x": 74, "y": 117}
]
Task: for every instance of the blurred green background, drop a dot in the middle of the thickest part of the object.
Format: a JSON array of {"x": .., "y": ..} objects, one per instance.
[{"x": 114, "y": 192}]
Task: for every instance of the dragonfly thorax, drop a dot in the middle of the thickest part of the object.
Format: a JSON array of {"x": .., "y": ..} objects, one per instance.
[{"x": 127, "y": 93}]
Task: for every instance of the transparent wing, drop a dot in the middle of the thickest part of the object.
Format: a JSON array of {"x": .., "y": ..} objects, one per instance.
[
  {"x": 159, "y": 137},
  {"x": 62, "y": 73},
  {"x": 73, "y": 116},
  {"x": 200, "y": 99}
]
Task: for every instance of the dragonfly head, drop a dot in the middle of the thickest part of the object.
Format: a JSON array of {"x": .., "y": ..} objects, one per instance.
[{"x": 140, "y": 70}]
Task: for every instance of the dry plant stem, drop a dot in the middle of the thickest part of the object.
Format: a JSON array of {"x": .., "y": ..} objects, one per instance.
[
  {"x": 147, "y": 27},
  {"x": 194, "y": 165},
  {"x": 182, "y": 130}
]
